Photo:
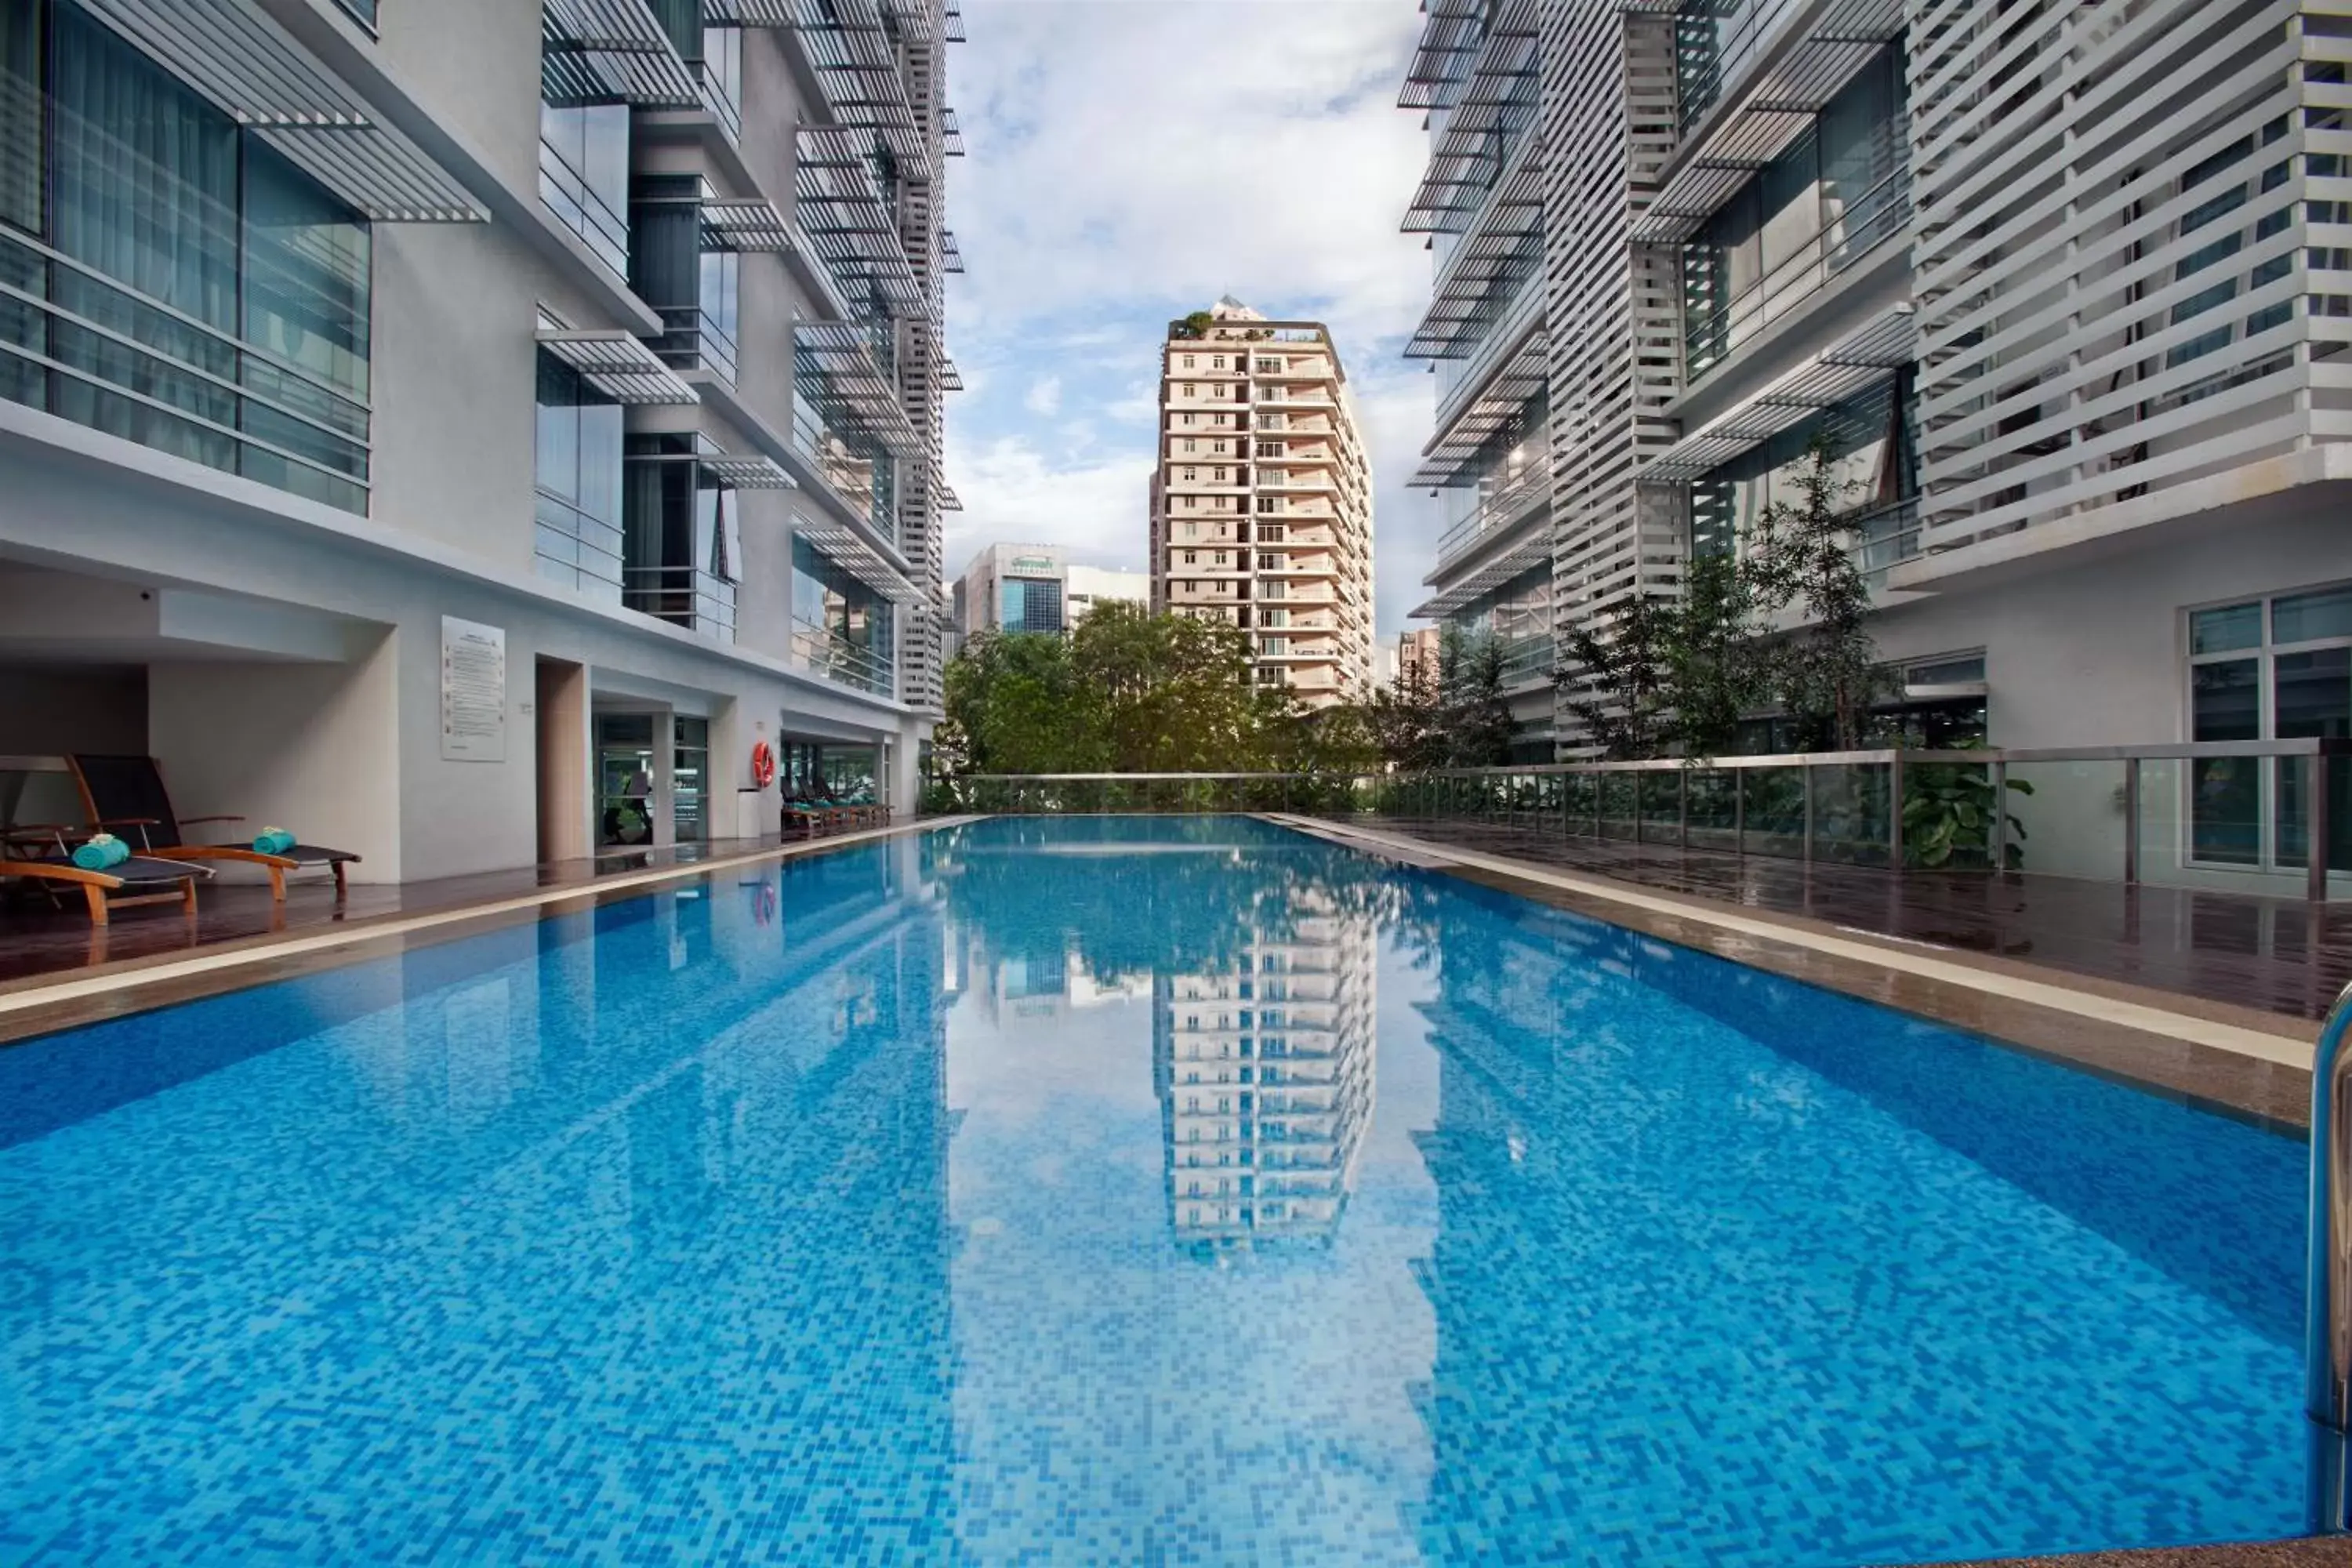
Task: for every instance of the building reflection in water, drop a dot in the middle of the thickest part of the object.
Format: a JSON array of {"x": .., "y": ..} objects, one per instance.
[{"x": 1263, "y": 1069}]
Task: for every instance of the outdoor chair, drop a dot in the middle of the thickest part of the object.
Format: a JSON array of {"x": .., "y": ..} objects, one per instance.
[
  {"x": 43, "y": 853},
  {"x": 125, "y": 797}
]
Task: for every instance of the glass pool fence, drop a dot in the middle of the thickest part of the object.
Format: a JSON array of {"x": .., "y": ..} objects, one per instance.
[{"x": 2255, "y": 816}]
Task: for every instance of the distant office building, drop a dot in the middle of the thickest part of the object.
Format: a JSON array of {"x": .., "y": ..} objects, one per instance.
[
  {"x": 1261, "y": 499},
  {"x": 1035, "y": 588}
]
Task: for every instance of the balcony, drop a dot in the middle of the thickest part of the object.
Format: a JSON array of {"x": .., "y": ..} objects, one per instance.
[
  {"x": 686, "y": 596},
  {"x": 1714, "y": 327},
  {"x": 821, "y": 651},
  {"x": 1509, "y": 503}
]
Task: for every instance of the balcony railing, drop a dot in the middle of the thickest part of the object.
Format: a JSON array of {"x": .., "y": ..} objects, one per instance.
[
  {"x": 821, "y": 650},
  {"x": 684, "y": 596},
  {"x": 693, "y": 338},
  {"x": 1883, "y": 537},
  {"x": 1714, "y": 330},
  {"x": 121, "y": 361},
  {"x": 1502, "y": 507}
]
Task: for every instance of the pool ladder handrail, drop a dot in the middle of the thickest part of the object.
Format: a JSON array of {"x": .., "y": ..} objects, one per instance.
[{"x": 2327, "y": 1281}]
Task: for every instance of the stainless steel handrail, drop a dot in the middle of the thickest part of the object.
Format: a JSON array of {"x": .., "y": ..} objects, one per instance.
[{"x": 2328, "y": 1284}]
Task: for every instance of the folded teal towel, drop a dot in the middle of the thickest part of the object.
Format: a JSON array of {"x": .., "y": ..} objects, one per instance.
[
  {"x": 276, "y": 841},
  {"x": 98, "y": 854}
]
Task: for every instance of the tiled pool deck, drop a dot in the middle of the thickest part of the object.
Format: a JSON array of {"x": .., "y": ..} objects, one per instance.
[{"x": 2197, "y": 997}]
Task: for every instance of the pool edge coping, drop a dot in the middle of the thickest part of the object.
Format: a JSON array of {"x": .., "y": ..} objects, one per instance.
[
  {"x": 46, "y": 1005},
  {"x": 2125, "y": 1033}
]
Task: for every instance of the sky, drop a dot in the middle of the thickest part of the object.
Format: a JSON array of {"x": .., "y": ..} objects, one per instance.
[{"x": 1130, "y": 161}]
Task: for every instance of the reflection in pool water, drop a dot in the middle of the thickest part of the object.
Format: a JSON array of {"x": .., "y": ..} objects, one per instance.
[{"x": 844, "y": 1212}]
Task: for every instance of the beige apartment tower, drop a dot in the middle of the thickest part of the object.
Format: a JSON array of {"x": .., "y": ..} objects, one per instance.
[{"x": 1261, "y": 501}]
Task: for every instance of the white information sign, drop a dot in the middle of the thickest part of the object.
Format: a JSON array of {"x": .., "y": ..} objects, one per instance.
[{"x": 473, "y": 691}]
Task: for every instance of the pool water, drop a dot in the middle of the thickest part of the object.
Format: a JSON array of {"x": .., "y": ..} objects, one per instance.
[{"x": 1165, "y": 1191}]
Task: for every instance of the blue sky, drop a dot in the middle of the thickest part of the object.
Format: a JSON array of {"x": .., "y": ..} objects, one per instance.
[{"x": 1130, "y": 161}]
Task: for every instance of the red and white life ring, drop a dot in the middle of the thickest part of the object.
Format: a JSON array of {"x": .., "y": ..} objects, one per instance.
[{"x": 764, "y": 764}]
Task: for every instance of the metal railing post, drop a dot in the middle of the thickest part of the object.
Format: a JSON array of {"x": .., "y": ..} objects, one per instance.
[
  {"x": 2131, "y": 821},
  {"x": 2327, "y": 1279},
  {"x": 2316, "y": 824},
  {"x": 1682, "y": 803},
  {"x": 1894, "y": 811},
  {"x": 1639, "y": 776},
  {"x": 1805, "y": 772},
  {"x": 1739, "y": 811},
  {"x": 2000, "y": 816}
]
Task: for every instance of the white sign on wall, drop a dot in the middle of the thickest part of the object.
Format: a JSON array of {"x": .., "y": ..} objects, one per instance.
[{"x": 473, "y": 691}]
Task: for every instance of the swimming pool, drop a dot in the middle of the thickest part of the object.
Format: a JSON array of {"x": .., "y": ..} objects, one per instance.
[{"x": 1162, "y": 1190}]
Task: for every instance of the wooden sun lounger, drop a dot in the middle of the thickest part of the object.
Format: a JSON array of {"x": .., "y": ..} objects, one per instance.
[{"x": 150, "y": 879}]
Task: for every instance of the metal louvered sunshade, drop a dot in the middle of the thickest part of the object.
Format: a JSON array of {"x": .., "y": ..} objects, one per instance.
[
  {"x": 857, "y": 558},
  {"x": 841, "y": 212},
  {"x": 951, "y": 23},
  {"x": 834, "y": 367},
  {"x": 858, "y": 72},
  {"x": 744, "y": 225},
  {"x": 1522, "y": 558},
  {"x": 1851, "y": 365},
  {"x": 1504, "y": 250},
  {"x": 744, "y": 473},
  {"x": 622, "y": 367},
  {"x": 607, "y": 51},
  {"x": 1496, "y": 105},
  {"x": 951, "y": 133},
  {"x": 1768, "y": 107},
  {"x": 1451, "y": 458},
  {"x": 1451, "y": 32},
  {"x": 951, "y": 254},
  {"x": 239, "y": 59}
]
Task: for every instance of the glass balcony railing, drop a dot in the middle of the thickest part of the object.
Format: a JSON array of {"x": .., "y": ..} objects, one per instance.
[
  {"x": 1504, "y": 505},
  {"x": 78, "y": 344},
  {"x": 821, "y": 650},
  {"x": 694, "y": 339},
  {"x": 1883, "y": 537},
  {"x": 577, "y": 206},
  {"x": 684, "y": 596},
  {"x": 1716, "y": 325}
]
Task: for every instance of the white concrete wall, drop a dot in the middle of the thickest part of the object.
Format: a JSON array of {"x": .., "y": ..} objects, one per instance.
[{"x": 311, "y": 748}]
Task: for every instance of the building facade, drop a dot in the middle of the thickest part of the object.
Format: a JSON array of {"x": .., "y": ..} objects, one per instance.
[
  {"x": 1035, "y": 588},
  {"x": 1261, "y": 501},
  {"x": 2063, "y": 288},
  {"x": 461, "y": 431}
]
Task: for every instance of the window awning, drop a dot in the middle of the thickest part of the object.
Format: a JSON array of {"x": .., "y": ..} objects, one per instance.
[
  {"x": 842, "y": 212},
  {"x": 857, "y": 67},
  {"x": 1451, "y": 32},
  {"x": 1447, "y": 459},
  {"x": 613, "y": 52},
  {"x": 620, "y": 365},
  {"x": 1777, "y": 93},
  {"x": 236, "y": 58},
  {"x": 1838, "y": 373},
  {"x": 1498, "y": 99},
  {"x": 1505, "y": 248},
  {"x": 744, "y": 472},
  {"x": 836, "y": 369},
  {"x": 1521, "y": 560},
  {"x": 857, "y": 558},
  {"x": 744, "y": 225}
]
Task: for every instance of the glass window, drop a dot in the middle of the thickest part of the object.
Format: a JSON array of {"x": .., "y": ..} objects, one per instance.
[
  {"x": 583, "y": 166},
  {"x": 2225, "y": 630},
  {"x": 306, "y": 284},
  {"x": 2307, "y": 617}
]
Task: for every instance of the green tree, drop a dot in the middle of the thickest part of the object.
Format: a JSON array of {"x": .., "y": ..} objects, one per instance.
[
  {"x": 1618, "y": 680},
  {"x": 1406, "y": 722},
  {"x": 1175, "y": 691},
  {"x": 1475, "y": 716},
  {"x": 1018, "y": 706},
  {"x": 1801, "y": 557}
]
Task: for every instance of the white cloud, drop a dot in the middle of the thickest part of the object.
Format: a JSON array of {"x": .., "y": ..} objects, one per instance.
[
  {"x": 1134, "y": 159},
  {"x": 1012, "y": 494}
]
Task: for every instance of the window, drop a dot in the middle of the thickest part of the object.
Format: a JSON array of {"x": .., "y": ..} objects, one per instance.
[
  {"x": 1192, "y": 558},
  {"x": 257, "y": 360},
  {"x": 682, "y": 548},
  {"x": 1271, "y": 449},
  {"x": 2276, "y": 668},
  {"x": 1269, "y": 562},
  {"x": 578, "y": 537},
  {"x": 1192, "y": 530},
  {"x": 1192, "y": 445},
  {"x": 1191, "y": 475},
  {"x": 1187, "y": 361},
  {"x": 1269, "y": 503},
  {"x": 1269, "y": 367},
  {"x": 1188, "y": 420},
  {"x": 1030, "y": 605},
  {"x": 1218, "y": 362},
  {"x": 584, "y": 164},
  {"x": 1271, "y": 533}
]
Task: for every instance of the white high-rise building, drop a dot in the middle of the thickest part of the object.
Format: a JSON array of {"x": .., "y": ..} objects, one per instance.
[
  {"x": 2066, "y": 288},
  {"x": 424, "y": 421},
  {"x": 1262, "y": 498}
]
